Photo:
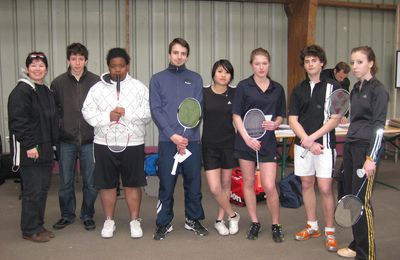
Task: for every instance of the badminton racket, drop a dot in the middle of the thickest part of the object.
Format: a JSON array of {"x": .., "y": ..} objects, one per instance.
[
  {"x": 350, "y": 208},
  {"x": 337, "y": 103},
  {"x": 118, "y": 134},
  {"x": 252, "y": 123},
  {"x": 188, "y": 115}
]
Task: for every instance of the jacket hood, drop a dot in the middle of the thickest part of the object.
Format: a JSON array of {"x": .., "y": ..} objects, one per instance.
[
  {"x": 26, "y": 79},
  {"x": 106, "y": 79}
]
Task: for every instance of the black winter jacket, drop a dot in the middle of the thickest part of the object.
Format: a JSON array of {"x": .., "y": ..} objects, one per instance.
[
  {"x": 70, "y": 95},
  {"x": 33, "y": 121}
]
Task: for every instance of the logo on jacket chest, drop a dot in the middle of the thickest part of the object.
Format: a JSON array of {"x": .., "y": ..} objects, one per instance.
[{"x": 188, "y": 82}]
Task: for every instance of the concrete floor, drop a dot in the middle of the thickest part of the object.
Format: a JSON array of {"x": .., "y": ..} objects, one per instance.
[{"x": 76, "y": 243}]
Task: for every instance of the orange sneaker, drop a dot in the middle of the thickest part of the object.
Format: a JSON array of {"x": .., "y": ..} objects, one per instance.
[
  {"x": 307, "y": 233},
  {"x": 331, "y": 242}
]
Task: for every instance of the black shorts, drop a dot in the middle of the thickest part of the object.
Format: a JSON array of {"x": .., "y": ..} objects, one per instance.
[
  {"x": 251, "y": 156},
  {"x": 216, "y": 158},
  {"x": 128, "y": 164}
]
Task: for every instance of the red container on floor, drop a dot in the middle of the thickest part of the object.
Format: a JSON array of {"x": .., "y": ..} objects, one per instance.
[{"x": 237, "y": 196}]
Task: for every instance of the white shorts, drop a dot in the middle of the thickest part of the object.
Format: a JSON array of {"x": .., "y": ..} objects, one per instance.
[{"x": 322, "y": 166}]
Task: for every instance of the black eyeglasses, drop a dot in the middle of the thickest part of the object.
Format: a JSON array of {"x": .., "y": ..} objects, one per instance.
[{"x": 36, "y": 56}]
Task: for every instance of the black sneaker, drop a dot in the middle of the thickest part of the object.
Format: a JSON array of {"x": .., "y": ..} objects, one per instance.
[
  {"x": 89, "y": 224},
  {"x": 277, "y": 233},
  {"x": 254, "y": 229},
  {"x": 161, "y": 231},
  {"x": 62, "y": 223},
  {"x": 196, "y": 226}
]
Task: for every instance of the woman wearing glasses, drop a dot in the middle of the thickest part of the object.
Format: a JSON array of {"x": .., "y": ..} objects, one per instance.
[{"x": 33, "y": 126}]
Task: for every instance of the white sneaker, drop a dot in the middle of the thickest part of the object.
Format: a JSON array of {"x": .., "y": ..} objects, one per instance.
[
  {"x": 221, "y": 228},
  {"x": 108, "y": 229},
  {"x": 234, "y": 224},
  {"x": 346, "y": 252},
  {"x": 136, "y": 230}
]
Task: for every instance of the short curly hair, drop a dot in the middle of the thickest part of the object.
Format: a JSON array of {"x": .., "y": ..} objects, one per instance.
[
  {"x": 117, "y": 52},
  {"x": 314, "y": 51}
]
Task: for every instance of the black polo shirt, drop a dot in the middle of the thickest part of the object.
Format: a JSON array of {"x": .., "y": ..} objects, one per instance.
[
  {"x": 218, "y": 130},
  {"x": 272, "y": 102},
  {"x": 368, "y": 112},
  {"x": 310, "y": 108}
]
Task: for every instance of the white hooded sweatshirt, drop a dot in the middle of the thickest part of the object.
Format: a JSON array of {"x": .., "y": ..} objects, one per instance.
[{"x": 102, "y": 99}]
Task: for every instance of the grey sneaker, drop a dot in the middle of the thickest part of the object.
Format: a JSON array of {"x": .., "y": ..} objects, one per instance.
[
  {"x": 196, "y": 227},
  {"x": 161, "y": 231}
]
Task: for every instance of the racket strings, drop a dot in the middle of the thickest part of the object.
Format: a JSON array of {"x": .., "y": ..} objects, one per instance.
[
  {"x": 339, "y": 102},
  {"x": 117, "y": 137},
  {"x": 253, "y": 124},
  {"x": 348, "y": 211},
  {"x": 189, "y": 113}
]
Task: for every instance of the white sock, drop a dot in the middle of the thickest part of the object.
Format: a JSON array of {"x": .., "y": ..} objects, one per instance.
[
  {"x": 313, "y": 224},
  {"x": 329, "y": 229}
]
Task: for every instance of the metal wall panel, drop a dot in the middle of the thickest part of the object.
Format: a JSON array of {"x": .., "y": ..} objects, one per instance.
[
  {"x": 341, "y": 29},
  {"x": 214, "y": 30}
]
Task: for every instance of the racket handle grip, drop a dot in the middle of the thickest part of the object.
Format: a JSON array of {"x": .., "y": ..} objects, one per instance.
[
  {"x": 360, "y": 173},
  {"x": 173, "y": 171},
  {"x": 304, "y": 153}
]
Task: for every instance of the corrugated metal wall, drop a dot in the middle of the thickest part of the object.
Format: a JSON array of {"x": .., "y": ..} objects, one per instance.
[
  {"x": 214, "y": 30},
  {"x": 341, "y": 29}
]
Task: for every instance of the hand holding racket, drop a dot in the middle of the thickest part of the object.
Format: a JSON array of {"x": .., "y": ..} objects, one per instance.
[
  {"x": 117, "y": 113},
  {"x": 252, "y": 123},
  {"x": 350, "y": 208},
  {"x": 118, "y": 134},
  {"x": 188, "y": 115},
  {"x": 338, "y": 103}
]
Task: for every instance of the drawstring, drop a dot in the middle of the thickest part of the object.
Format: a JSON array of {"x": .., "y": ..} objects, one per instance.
[{"x": 16, "y": 156}]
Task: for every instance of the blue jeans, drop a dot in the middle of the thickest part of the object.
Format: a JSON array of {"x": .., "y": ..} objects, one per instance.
[
  {"x": 66, "y": 193},
  {"x": 191, "y": 173}
]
